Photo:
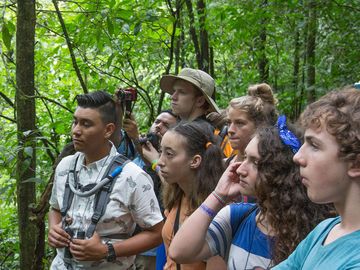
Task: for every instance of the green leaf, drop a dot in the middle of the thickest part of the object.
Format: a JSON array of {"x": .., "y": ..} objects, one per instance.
[
  {"x": 110, "y": 26},
  {"x": 125, "y": 28},
  {"x": 6, "y": 36},
  {"x": 28, "y": 151},
  {"x": 124, "y": 14},
  {"x": 137, "y": 28},
  {"x": 27, "y": 133},
  {"x": 33, "y": 180},
  {"x": 112, "y": 3},
  {"x": 110, "y": 59}
]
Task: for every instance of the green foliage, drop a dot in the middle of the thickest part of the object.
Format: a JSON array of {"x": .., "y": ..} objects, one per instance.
[
  {"x": 121, "y": 43},
  {"x": 9, "y": 248}
]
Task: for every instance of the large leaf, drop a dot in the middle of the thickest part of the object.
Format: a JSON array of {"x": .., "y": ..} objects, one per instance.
[{"x": 6, "y": 36}]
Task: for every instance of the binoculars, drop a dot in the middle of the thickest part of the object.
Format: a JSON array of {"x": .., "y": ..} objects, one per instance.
[{"x": 73, "y": 235}]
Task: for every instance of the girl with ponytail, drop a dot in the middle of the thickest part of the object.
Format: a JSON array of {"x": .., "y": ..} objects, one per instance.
[{"x": 190, "y": 166}]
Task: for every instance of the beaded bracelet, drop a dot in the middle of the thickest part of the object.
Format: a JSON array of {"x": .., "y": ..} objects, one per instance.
[
  {"x": 219, "y": 198},
  {"x": 211, "y": 213},
  {"x": 154, "y": 164}
]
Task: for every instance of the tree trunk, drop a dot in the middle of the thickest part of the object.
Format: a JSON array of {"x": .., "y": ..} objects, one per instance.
[
  {"x": 174, "y": 48},
  {"x": 204, "y": 37},
  {"x": 295, "y": 81},
  {"x": 193, "y": 34},
  {"x": 263, "y": 61},
  {"x": 25, "y": 115},
  {"x": 310, "y": 51}
]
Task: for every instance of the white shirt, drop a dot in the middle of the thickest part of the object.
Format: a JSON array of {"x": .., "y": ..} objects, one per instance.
[{"x": 132, "y": 201}]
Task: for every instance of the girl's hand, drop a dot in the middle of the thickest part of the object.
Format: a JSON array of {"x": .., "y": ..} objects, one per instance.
[{"x": 228, "y": 186}]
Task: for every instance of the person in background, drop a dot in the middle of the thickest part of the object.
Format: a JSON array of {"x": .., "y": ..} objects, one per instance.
[
  {"x": 252, "y": 236},
  {"x": 220, "y": 123},
  {"x": 247, "y": 113},
  {"x": 108, "y": 243},
  {"x": 329, "y": 163},
  {"x": 191, "y": 97},
  {"x": 190, "y": 166},
  {"x": 161, "y": 124},
  {"x": 165, "y": 120}
]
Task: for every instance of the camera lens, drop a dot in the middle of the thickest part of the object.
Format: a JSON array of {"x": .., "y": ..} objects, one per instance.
[{"x": 143, "y": 140}]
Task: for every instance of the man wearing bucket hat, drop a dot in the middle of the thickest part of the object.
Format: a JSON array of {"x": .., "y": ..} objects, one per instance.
[{"x": 191, "y": 93}]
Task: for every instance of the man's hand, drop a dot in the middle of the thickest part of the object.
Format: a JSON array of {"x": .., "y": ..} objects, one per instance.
[
  {"x": 149, "y": 152},
  {"x": 131, "y": 128},
  {"x": 90, "y": 249},
  {"x": 57, "y": 237}
]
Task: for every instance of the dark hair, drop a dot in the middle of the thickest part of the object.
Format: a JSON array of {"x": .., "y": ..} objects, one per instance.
[
  {"x": 169, "y": 111},
  {"x": 217, "y": 119},
  {"x": 199, "y": 141},
  {"x": 102, "y": 101},
  {"x": 281, "y": 196}
]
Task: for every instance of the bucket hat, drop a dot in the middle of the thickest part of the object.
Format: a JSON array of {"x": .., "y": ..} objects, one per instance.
[{"x": 198, "y": 78}]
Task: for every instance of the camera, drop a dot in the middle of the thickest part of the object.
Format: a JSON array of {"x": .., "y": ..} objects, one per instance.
[
  {"x": 127, "y": 97},
  {"x": 152, "y": 138}
]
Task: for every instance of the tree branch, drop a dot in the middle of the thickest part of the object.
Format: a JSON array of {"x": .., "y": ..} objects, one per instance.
[
  {"x": 54, "y": 101},
  {"x": 347, "y": 6},
  {"x": 193, "y": 33},
  {"x": 7, "y": 99},
  {"x": 69, "y": 44},
  {"x": 8, "y": 118}
]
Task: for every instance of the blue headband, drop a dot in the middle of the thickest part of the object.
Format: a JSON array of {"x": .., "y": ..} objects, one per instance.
[{"x": 286, "y": 136}]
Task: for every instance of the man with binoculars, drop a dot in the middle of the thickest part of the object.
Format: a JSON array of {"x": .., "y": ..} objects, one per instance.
[{"x": 98, "y": 196}]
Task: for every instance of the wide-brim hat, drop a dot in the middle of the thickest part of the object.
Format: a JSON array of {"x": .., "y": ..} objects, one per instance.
[{"x": 198, "y": 78}]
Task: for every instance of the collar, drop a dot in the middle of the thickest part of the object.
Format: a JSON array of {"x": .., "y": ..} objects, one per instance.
[{"x": 97, "y": 165}]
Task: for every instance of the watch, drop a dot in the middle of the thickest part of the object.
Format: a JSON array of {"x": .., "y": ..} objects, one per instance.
[{"x": 111, "y": 252}]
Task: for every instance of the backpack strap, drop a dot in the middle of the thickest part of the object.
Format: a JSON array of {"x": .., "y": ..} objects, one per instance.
[
  {"x": 223, "y": 132},
  {"x": 102, "y": 196},
  {"x": 68, "y": 194}
]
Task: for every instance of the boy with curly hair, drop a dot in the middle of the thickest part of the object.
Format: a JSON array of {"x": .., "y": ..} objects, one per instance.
[{"x": 329, "y": 163}]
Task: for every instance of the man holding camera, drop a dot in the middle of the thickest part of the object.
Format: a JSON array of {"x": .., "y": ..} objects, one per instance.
[
  {"x": 103, "y": 240},
  {"x": 165, "y": 120}
]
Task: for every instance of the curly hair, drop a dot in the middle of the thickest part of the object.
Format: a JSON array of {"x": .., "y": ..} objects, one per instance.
[
  {"x": 196, "y": 136},
  {"x": 259, "y": 104},
  {"x": 281, "y": 197},
  {"x": 339, "y": 112}
]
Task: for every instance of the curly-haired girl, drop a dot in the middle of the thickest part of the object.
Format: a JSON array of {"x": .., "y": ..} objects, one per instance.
[
  {"x": 251, "y": 236},
  {"x": 329, "y": 163}
]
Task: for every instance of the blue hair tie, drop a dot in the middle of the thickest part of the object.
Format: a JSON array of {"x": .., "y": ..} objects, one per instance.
[{"x": 286, "y": 136}]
